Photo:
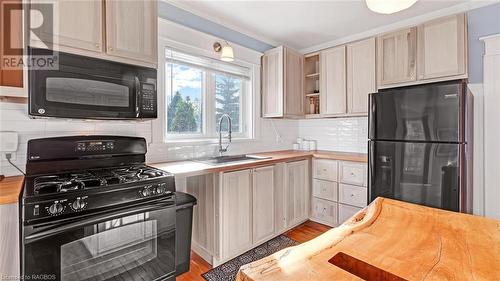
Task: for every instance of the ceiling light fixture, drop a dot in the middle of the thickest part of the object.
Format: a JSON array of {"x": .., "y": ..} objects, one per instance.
[
  {"x": 226, "y": 51},
  {"x": 389, "y": 6}
]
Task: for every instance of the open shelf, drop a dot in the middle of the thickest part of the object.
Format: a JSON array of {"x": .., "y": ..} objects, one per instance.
[
  {"x": 312, "y": 75},
  {"x": 312, "y": 94},
  {"x": 311, "y": 84}
]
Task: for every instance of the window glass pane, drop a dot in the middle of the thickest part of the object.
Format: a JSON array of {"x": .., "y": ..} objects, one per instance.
[
  {"x": 184, "y": 99},
  {"x": 228, "y": 101}
]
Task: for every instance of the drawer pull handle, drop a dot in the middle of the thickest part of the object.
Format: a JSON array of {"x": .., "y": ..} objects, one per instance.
[
  {"x": 352, "y": 174},
  {"x": 352, "y": 195}
]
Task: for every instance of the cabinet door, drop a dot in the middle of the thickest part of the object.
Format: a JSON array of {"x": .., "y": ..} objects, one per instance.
[
  {"x": 12, "y": 80},
  {"x": 441, "y": 47},
  {"x": 131, "y": 29},
  {"x": 78, "y": 24},
  {"x": 297, "y": 184},
  {"x": 9, "y": 243},
  {"x": 397, "y": 57},
  {"x": 333, "y": 81},
  {"x": 236, "y": 215},
  {"x": 360, "y": 75},
  {"x": 294, "y": 87},
  {"x": 263, "y": 204},
  {"x": 280, "y": 198},
  {"x": 272, "y": 83}
]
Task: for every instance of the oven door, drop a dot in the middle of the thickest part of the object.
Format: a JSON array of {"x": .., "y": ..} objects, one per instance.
[{"x": 133, "y": 244}]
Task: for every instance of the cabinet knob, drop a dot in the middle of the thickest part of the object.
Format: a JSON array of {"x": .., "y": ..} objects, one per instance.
[
  {"x": 97, "y": 46},
  {"x": 110, "y": 48}
]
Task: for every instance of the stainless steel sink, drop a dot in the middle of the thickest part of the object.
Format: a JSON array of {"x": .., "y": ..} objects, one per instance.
[{"x": 221, "y": 160}]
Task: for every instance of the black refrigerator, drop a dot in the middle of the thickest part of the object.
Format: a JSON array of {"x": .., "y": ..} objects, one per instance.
[{"x": 419, "y": 147}]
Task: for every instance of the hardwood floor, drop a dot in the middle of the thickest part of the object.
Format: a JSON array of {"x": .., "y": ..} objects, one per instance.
[{"x": 301, "y": 233}]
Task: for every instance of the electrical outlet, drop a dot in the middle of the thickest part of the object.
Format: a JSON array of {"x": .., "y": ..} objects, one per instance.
[{"x": 12, "y": 156}]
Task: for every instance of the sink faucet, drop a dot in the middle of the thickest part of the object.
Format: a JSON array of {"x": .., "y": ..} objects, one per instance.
[{"x": 222, "y": 150}]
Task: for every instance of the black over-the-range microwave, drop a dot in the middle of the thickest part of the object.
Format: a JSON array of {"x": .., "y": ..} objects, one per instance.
[{"x": 89, "y": 88}]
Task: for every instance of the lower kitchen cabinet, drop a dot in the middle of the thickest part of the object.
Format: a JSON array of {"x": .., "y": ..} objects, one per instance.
[
  {"x": 9, "y": 240},
  {"x": 324, "y": 211},
  {"x": 263, "y": 204},
  {"x": 346, "y": 211},
  {"x": 235, "y": 213},
  {"x": 297, "y": 184},
  {"x": 239, "y": 210},
  {"x": 353, "y": 195}
]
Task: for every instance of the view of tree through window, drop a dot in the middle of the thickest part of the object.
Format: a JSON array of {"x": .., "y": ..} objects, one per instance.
[
  {"x": 184, "y": 105},
  {"x": 227, "y": 99},
  {"x": 199, "y": 91}
]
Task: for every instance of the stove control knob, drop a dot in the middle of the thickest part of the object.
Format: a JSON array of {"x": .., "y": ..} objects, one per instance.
[
  {"x": 146, "y": 191},
  {"x": 161, "y": 189},
  {"x": 78, "y": 204},
  {"x": 56, "y": 208}
]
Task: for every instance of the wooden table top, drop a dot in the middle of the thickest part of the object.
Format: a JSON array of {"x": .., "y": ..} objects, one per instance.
[
  {"x": 391, "y": 240},
  {"x": 191, "y": 168},
  {"x": 10, "y": 187}
]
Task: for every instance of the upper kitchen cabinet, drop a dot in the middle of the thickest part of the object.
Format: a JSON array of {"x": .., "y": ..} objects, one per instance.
[
  {"x": 81, "y": 30},
  {"x": 442, "y": 48},
  {"x": 397, "y": 54},
  {"x": 124, "y": 31},
  {"x": 13, "y": 78},
  {"x": 282, "y": 83},
  {"x": 131, "y": 29},
  {"x": 333, "y": 81},
  {"x": 361, "y": 79}
]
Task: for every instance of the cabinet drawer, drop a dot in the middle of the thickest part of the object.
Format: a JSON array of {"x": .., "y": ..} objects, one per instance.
[
  {"x": 346, "y": 211},
  {"x": 325, "y": 189},
  {"x": 325, "y": 169},
  {"x": 353, "y": 173},
  {"x": 352, "y": 195},
  {"x": 324, "y": 211}
]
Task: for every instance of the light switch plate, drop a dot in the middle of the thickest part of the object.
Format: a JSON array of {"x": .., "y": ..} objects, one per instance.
[{"x": 8, "y": 141}]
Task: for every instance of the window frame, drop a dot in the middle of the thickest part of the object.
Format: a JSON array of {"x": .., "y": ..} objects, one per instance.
[{"x": 209, "y": 124}]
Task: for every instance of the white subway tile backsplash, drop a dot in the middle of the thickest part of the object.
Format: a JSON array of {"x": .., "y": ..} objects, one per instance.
[{"x": 339, "y": 134}]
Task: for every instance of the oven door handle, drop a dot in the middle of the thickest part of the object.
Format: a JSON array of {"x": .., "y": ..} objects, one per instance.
[{"x": 97, "y": 218}]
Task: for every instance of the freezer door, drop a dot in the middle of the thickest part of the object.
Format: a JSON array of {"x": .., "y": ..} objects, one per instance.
[
  {"x": 431, "y": 113},
  {"x": 422, "y": 173}
]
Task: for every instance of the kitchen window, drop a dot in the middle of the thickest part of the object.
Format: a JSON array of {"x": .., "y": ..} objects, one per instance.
[{"x": 199, "y": 91}]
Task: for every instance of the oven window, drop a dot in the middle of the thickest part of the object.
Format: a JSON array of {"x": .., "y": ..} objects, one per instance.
[
  {"x": 86, "y": 92},
  {"x": 118, "y": 245}
]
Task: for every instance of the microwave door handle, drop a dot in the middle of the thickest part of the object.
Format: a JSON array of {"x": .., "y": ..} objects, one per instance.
[
  {"x": 94, "y": 219},
  {"x": 137, "y": 96}
]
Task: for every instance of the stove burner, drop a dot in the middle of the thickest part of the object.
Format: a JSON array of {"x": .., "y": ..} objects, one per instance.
[
  {"x": 51, "y": 184},
  {"x": 93, "y": 179}
]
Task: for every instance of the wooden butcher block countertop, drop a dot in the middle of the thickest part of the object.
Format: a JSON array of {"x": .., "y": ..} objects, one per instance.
[
  {"x": 190, "y": 167},
  {"x": 10, "y": 188},
  {"x": 391, "y": 240}
]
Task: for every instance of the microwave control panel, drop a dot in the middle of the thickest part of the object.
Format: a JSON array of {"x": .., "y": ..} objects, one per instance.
[{"x": 148, "y": 97}]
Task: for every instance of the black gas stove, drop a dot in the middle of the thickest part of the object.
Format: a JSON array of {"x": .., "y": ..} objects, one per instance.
[{"x": 91, "y": 206}]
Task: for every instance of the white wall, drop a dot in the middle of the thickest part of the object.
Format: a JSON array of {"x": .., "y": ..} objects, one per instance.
[{"x": 338, "y": 134}]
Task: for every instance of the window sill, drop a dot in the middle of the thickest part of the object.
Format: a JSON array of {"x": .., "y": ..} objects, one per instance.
[{"x": 208, "y": 141}]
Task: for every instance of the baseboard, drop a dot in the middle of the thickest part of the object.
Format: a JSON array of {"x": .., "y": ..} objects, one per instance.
[{"x": 202, "y": 252}]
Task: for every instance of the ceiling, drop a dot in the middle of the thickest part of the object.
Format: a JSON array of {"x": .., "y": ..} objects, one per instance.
[{"x": 304, "y": 24}]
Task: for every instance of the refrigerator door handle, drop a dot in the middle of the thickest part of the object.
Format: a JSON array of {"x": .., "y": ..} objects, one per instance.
[{"x": 371, "y": 117}]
